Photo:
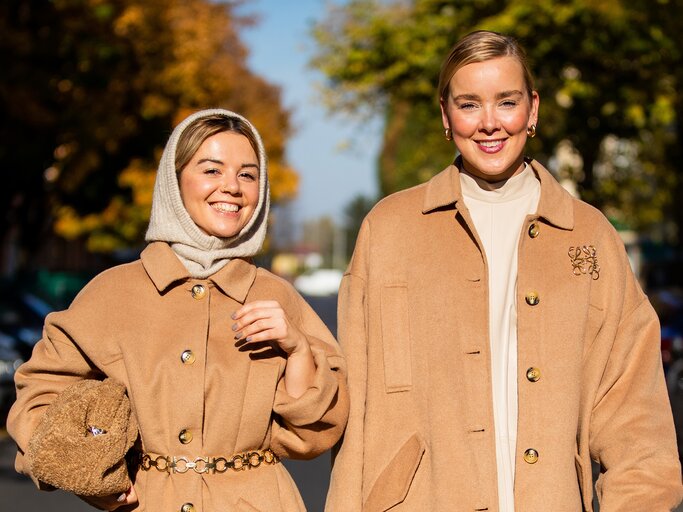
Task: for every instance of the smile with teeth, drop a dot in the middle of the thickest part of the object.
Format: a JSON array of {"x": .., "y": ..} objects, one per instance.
[
  {"x": 225, "y": 207},
  {"x": 490, "y": 143}
]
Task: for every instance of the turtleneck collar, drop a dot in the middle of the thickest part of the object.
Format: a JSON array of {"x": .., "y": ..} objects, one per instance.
[{"x": 503, "y": 191}]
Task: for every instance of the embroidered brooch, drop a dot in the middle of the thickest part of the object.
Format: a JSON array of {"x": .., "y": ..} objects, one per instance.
[{"x": 584, "y": 261}]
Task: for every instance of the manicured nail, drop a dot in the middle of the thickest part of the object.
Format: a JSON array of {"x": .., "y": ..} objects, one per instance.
[
  {"x": 238, "y": 336},
  {"x": 234, "y": 327},
  {"x": 234, "y": 315},
  {"x": 121, "y": 498},
  {"x": 247, "y": 339}
]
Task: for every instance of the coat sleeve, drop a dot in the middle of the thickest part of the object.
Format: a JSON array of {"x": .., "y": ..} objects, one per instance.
[
  {"x": 56, "y": 363},
  {"x": 632, "y": 433},
  {"x": 346, "y": 484},
  {"x": 305, "y": 427}
]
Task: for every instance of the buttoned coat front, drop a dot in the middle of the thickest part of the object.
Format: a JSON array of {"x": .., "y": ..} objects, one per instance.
[
  {"x": 134, "y": 323},
  {"x": 413, "y": 323}
]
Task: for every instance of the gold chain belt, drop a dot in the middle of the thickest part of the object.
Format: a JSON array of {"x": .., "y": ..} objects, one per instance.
[{"x": 239, "y": 462}]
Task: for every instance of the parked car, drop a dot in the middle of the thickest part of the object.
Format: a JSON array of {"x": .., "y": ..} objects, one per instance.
[{"x": 21, "y": 322}]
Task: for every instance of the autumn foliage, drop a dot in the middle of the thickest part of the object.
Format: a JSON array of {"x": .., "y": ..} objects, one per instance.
[{"x": 91, "y": 90}]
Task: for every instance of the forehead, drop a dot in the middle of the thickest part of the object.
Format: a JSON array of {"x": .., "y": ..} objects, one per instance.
[
  {"x": 499, "y": 74},
  {"x": 227, "y": 142}
]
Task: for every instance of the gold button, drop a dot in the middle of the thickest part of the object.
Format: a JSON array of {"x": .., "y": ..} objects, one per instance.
[
  {"x": 187, "y": 357},
  {"x": 533, "y": 230},
  {"x": 533, "y": 374},
  {"x": 532, "y": 298},
  {"x": 198, "y": 291},
  {"x": 185, "y": 436},
  {"x": 531, "y": 456},
  {"x": 187, "y": 507}
]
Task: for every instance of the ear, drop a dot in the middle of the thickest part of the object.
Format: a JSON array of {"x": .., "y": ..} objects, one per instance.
[
  {"x": 535, "y": 103},
  {"x": 444, "y": 115}
]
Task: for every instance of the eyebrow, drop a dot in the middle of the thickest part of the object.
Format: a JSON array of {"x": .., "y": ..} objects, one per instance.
[
  {"x": 475, "y": 97},
  {"x": 220, "y": 162}
]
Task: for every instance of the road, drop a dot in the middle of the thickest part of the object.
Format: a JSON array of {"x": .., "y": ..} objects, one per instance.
[{"x": 312, "y": 477}]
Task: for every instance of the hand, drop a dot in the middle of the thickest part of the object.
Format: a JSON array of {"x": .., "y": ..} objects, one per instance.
[
  {"x": 113, "y": 501},
  {"x": 265, "y": 322}
]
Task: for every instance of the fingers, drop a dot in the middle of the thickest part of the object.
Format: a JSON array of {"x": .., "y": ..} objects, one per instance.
[
  {"x": 254, "y": 306},
  {"x": 264, "y": 319}
]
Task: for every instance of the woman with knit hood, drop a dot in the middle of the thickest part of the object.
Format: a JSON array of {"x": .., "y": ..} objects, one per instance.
[{"x": 226, "y": 367}]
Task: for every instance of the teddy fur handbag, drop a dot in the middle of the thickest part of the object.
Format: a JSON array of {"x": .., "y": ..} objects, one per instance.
[{"x": 80, "y": 444}]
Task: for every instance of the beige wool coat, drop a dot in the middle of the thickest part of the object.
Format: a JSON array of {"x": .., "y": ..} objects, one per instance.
[
  {"x": 414, "y": 329},
  {"x": 134, "y": 323}
]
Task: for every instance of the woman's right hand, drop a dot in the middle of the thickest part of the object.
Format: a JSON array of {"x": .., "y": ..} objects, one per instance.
[{"x": 113, "y": 501}]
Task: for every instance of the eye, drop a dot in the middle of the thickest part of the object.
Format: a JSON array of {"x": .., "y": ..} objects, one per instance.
[
  {"x": 467, "y": 106},
  {"x": 211, "y": 171},
  {"x": 248, "y": 175},
  {"x": 508, "y": 103}
]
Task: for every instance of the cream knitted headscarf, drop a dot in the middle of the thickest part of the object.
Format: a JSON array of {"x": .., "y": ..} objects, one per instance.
[{"x": 203, "y": 255}]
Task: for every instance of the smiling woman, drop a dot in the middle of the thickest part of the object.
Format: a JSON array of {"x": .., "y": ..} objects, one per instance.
[
  {"x": 225, "y": 365},
  {"x": 497, "y": 340}
]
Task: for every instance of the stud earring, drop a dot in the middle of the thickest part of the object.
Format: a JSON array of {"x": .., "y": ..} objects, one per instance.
[
  {"x": 448, "y": 133},
  {"x": 531, "y": 131}
]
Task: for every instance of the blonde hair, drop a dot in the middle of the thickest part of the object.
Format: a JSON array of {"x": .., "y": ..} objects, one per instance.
[
  {"x": 481, "y": 46},
  {"x": 204, "y": 127}
]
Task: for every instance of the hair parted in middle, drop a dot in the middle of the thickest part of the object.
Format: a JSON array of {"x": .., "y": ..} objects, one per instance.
[
  {"x": 204, "y": 127},
  {"x": 481, "y": 46}
]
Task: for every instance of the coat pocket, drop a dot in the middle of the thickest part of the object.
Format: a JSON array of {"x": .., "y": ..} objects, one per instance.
[
  {"x": 396, "y": 338},
  {"x": 393, "y": 483}
]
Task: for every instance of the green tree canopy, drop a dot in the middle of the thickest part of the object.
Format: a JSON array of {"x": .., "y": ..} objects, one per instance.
[{"x": 604, "y": 70}]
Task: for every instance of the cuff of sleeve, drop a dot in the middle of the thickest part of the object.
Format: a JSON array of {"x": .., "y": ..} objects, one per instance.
[{"x": 316, "y": 401}]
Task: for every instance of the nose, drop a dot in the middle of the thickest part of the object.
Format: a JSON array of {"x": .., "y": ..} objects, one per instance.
[
  {"x": 230, "y": 183},
  {"x": 489, "y": 120}
]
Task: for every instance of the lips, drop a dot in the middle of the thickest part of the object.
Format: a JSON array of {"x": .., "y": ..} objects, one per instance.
[
  {"x": 491, "y": 146},
  {"x": 225, "y": 207}
]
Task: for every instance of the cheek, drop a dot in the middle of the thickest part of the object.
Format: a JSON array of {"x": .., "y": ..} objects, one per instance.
[
  {"x": 463, "y": 126},
  {"x": 515, "y": 122},
  {"x": 252, "y": 193},
  {"x": 192, "y": 189}
]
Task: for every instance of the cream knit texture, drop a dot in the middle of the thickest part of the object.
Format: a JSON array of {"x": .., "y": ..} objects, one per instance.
[{"x": 202, "y": 254}]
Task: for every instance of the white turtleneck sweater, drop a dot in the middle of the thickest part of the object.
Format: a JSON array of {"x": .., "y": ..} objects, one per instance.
[{"x": 498, "y": 211}]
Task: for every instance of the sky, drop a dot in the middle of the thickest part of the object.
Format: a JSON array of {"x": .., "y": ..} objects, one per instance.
[{"x": 334, "y": 155}]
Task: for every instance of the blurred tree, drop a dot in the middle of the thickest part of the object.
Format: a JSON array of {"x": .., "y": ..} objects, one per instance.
[
  {"x": 604, "y": 69},
  {"x": 90, "y": 91}
]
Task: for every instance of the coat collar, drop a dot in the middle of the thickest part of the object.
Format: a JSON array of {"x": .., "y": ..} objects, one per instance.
[
  {"x": 165, "y": 269},
  {"x": 555, "y": 205}
]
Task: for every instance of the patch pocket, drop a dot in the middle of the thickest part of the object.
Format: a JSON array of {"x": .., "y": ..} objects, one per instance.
[
  {"x": 395, "y": 480},
  {"x": 396, "y": 338}
]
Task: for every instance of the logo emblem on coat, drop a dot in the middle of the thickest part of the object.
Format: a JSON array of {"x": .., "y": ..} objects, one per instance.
[{"x": 584, "y": 261}]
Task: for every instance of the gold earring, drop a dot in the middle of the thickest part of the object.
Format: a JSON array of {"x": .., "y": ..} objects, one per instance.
[
  {"x": 531, "y": 131},
  {"x": 448, "y": 133}
]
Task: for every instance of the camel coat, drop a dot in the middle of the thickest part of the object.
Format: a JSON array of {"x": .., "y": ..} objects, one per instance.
[
  {"x": 413, "y": 326},
  {"x": 133, "y": 322}
]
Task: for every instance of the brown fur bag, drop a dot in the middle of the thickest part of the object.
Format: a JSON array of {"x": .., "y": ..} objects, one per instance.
[{"x": 82, "y": 440}]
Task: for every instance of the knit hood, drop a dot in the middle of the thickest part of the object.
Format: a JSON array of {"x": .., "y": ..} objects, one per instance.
[{"x": 203, "y": 254}]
